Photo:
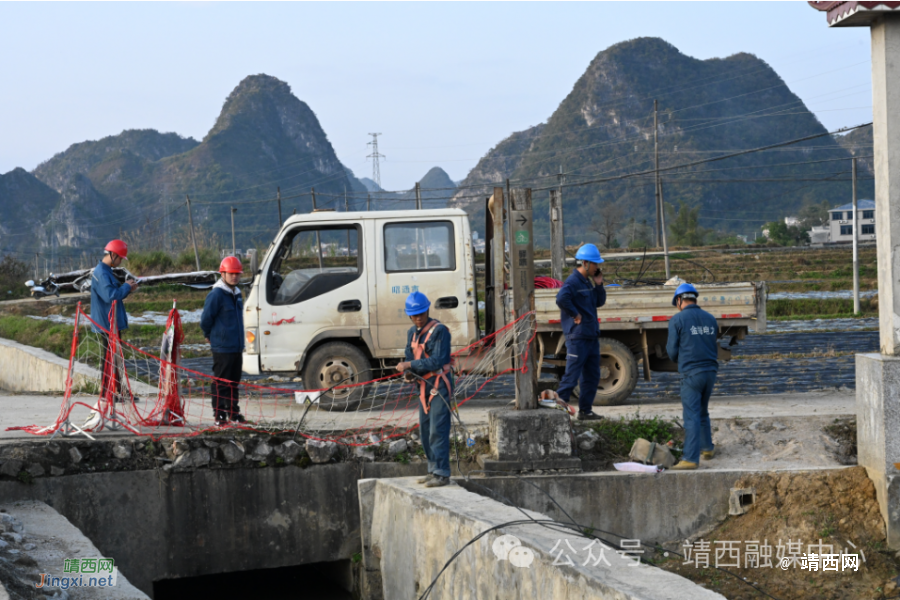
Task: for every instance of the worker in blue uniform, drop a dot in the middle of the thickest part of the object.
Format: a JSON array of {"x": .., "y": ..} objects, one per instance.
[
  {"x": 692, "y": 344},
  {"x": 578, "y": 300}
]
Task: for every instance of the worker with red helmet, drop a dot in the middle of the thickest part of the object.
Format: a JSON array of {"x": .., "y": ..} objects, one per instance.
[
  {"x": 105, "y": 289},
  {"x": 222, "y": 323}
]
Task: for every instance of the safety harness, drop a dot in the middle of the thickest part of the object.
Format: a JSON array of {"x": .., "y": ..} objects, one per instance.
[{"x": 418, "y": 349}]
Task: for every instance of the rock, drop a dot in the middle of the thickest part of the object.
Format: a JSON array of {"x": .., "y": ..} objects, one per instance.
[
  {"x": 211, "y": 444},
  {"x": 588, "y": 434},
  {"x": 289, "y": 450},
  {"x": 396, "y": 447},
  {"x": 587, "y": 444},
  {"x": 374, "y": 439},
  {"x": 3, "y": 544},
  {"x": 363, "y": 454},
  {"x": 232, "y": 451},
  {"x": 35, "y": 470},
  {"x": 11, "y": 467},
  {"x": 75, "y": 455},
  {"x": 261, "y": 452},
  {"x": 52, "y": 448},
  {"x": 15, "y": 538},
  {"x": 57, "y": 471},
  {"x": 319, "y": 451},
  {"x": 297, "y": 380},
  {"x": 122, "y": 451},
  {"x": 29, "y": 546},
  {"x": 193, "y": 459},
  {"x": 414, "y": 436},
  {"x": 179, "y": 447},
  {"x": 753, "y": 426}
]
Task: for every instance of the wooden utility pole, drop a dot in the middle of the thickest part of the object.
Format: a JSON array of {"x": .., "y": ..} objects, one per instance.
[
  {"x": 521, "y": 255},
  {"x": 233, "y": 245},
  {"x": 855, "y": 226},
  {"x": 418, "y": 197},
  {"x": 194, "y": 239},
  {"x": 498, "y": 259},
  {"x": 659, "y": 216},
  {"x": 280, "y": 220},
  {"x": 312, "y": 192},
  {"x": 557, "y": 236}
]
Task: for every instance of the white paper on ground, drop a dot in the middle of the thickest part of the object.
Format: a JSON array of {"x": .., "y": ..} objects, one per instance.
[{"x": 634, "y": 467}]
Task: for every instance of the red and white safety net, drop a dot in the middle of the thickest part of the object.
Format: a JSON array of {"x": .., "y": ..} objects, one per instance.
[{"x": 114, "y": 386}]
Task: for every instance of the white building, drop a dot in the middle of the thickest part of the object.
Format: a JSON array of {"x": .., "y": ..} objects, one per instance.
[{"x": 841, "y": 222}]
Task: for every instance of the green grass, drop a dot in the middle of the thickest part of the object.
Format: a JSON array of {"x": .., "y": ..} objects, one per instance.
[
  {"x": 818, "y": 308},
  {"x": 52, "y": 337},
  {"x": 618, "y": 435}
]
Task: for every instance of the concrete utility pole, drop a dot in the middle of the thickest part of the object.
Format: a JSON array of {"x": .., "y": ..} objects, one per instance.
[
  {"x": 659, "y": 215},
  {"x": 855, "y": 244},
  {"x": 368, "y": 202},
  {"x": 663, "y": 228},
  {"x": 557, "y": 236},
  {"x": 521, "y": 254},
  {"x": 194, "y": 239},
  {"x": 233, "y": 245},
  {"x": 418, "y": 197}
]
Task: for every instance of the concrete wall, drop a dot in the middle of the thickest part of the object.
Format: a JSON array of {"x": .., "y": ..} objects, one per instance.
[
  {"x": 665, "y": 507},
  {"x": 28, "y": 369},
  {"x": 415, "y": 531},
  {"x": 163, "y": 526}
]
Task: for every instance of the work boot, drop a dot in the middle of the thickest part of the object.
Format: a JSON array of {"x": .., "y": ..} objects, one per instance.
[
  {"x": 425, "y": 479},
  {"x": 708, "y": 454},
  {"x": 437, "y": 481},
  {"x": 685, "y": 465},
  {"x": 588, "y": 416},
  {"x": 238, "y": 418}
]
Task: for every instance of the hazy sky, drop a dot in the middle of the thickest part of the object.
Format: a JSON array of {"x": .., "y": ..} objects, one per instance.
[{"x": 443, "y": 82}]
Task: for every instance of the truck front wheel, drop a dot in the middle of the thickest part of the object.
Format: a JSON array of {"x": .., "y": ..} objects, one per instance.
[
  {"x": 338, "y": 364},
  {"x": 618, "y": 374}
]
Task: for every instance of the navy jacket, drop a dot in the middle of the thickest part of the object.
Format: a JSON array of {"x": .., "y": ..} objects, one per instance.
[
  {"x": 692, "y": 341},
  {"x": 580, "y": 296},
  {"x": 104, "y": 289},
  {"x": 437, "y": 348},
  {"x": 222, "y": 320}
]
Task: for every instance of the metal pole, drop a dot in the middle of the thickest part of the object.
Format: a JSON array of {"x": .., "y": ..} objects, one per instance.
[
  {"x": 418, "y": 197},
  {"x": 665, "y": 242},
  {"x": 659, "y": 209},
  {"x": 557, "y": 236},
  {"x": 855, "y": 226},
  {"x": 194, "y": 239},
  {"x": 280, "y": 220},
  {"x": 233, "y": 245}
]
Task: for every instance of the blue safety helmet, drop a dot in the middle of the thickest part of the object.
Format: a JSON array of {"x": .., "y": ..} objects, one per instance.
[
  {"x": 416, "y": 304},
  {"x": 590, "y": 253},
  {"x": 687, "y": 290}
]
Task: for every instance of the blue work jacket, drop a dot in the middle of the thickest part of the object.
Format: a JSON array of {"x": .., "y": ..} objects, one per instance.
[
  {"x": 437, "y": 348},
  {"x": 578, "y": 296},
  {"x": 222, "y": 320},
  {"x": 692, "y": 341},
  {"x": 104, "y": 289}
]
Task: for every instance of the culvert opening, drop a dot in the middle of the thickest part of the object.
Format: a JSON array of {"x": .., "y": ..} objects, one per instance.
[{"x": 320, "y": 581}]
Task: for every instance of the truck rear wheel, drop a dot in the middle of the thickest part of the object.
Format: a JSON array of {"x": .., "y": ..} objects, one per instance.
[
  {"x": 338, "y": 364},
  {"x": 618, "y": 374}
]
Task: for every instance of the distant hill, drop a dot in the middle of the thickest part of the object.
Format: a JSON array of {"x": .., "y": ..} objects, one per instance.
[
  {"x": 371, "y": 186},
  {"x": 604, "y": 128},
  {"x": 134, "y": 184},
  {"x": 435, "y": 188}
]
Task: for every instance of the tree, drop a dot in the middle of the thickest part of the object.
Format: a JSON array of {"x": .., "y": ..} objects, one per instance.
[
  {"x": 780, "y": 233},
  {"x": 683, "y": 227},
  {"x": 637, "y": 234},
  {"x": 607, "y": 223},
  {"x": 813, "y": 215}
]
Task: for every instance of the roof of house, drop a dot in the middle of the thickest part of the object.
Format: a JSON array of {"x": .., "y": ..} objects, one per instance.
[
  {"x": 860, "y": 205},
  {"x": 854, "y": 13}
]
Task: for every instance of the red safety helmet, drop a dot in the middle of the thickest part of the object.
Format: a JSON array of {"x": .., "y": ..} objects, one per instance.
[
  {"x": 231, "y": 264},
  {"x": 118, "y": 247}
]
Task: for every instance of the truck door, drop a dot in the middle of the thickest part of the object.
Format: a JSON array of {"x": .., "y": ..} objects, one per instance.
[
  {"x": 314, "y": 282},
  {"x": 425, "y": 256}
]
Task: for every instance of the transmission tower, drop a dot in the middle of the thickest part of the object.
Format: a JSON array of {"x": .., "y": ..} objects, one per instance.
[{"x": 376, "y": 172}]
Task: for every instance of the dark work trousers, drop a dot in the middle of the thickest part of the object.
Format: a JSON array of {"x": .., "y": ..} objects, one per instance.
[
  {"x": 113, "y": 383},
  {"x": 582, "y": 367},
  {"x": 227, "y": 366}
]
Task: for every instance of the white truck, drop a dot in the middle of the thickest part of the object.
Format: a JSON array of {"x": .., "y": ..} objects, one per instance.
[{"x": 327, "y": 304}]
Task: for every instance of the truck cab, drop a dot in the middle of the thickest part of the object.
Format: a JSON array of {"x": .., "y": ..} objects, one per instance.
[{"x": 326, "y": 303}]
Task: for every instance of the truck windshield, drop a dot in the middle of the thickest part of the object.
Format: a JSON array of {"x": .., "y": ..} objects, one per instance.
[
  {"x": 312, "y": 262},
  {"x": 425, "y": 246}
]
